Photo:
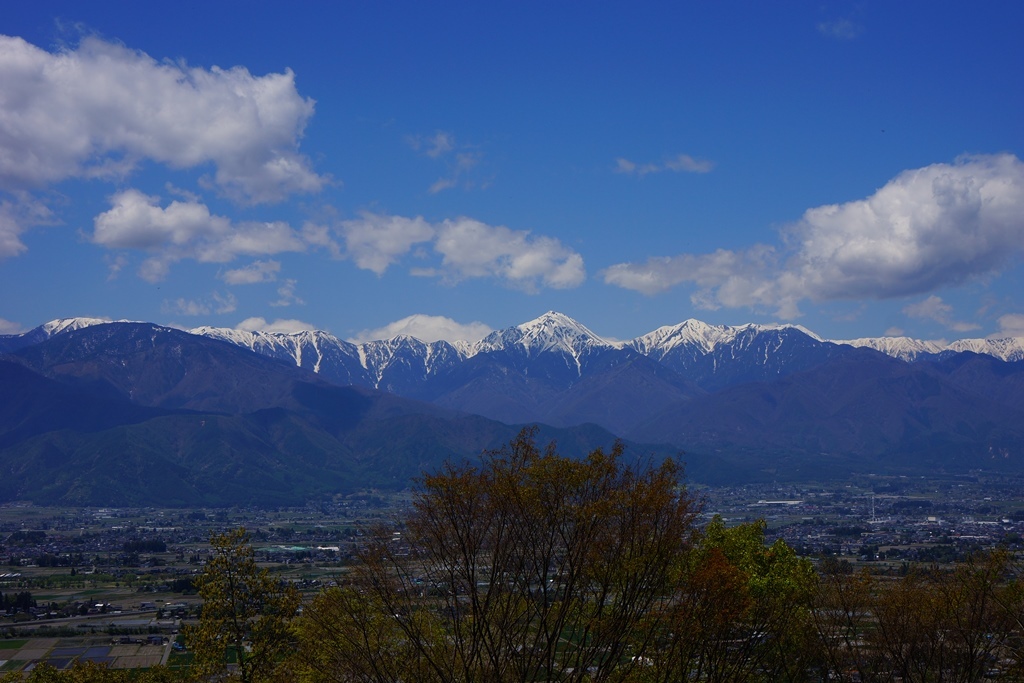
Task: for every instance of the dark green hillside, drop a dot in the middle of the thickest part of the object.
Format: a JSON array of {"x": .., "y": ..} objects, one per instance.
[
  {"x": 31, "y": 404},
  {"x": 135, "y": 414},
  {"x": 860, "y": 411}
]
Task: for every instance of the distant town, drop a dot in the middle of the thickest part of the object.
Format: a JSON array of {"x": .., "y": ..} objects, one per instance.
[{"x": 128, "y": 571}]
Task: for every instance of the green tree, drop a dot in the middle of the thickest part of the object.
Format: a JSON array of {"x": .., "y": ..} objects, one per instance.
[
  {"x": 245, "y": 614},
  {"x": 529, "y": 566},
  {"x": 737, "y": 611}
]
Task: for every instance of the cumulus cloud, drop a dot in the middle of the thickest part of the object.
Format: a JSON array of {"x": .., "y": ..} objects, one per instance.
[
  {"x": 1011, "y": 325},
  {"x": 471, "y": 249},
  {"x": 17, "y": 215},
  {"x": 100, "y": 109},
  {"x": 679, "y": 163},
  {"x": 255, "y": 272},
  {"x": 185, "y": 229},
  {"x": 935, "y": 309},
  {"x": 426, "y": 328},
  {"x": 281, "y": 326},
  {"x": 937, "y": 226},
  {"x": 468, "y": 249},
  {"x": 320, "y": 236},
  {"x": 8, "y": 327},
  {"x": 376, "y": 241},
  {"x": 10, "y": 230},
  {"x": 725, "y": 278}
]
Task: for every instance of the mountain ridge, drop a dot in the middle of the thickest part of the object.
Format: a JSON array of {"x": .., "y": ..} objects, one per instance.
[
  {"x": 282, "y": 416},
  {"x": 537, "y": 336},
  {"x": 134, "y": 413}
]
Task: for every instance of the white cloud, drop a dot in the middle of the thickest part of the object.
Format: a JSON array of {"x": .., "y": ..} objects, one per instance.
[
  {"x": 468, "y": 249},
  {"x": 17, "y": 216},
  {"x": 216, "y": 303},
  {"x": 1011, "y": 325},
  {"x": 282, "y": 326},
  {"x": 929, "y": 227},
  {"x": 678, "y": 163},
  {"x": 935, "y": 309},
  {"x": 255, "y": 272},
  {"x": 320, "y": 236},
  {"x": 472, "y": 249},
  {"x": 442, "y": 184},
  {"x": 185, "y": 229},
  {"x": 10, "y": 230},
  {"x": 98, "y": 110},
  {"x": 155, "y": 269},
  {"x": 426, "y": 328},
  {"x": 287, "y": 295},
  {"x": 937, "y": 226},
  {"x": 136, "y": 221},
  {"x": 375, "y": 241},
  {"x": 8, "y": 327},
  {"x": 733, "y": 279}
]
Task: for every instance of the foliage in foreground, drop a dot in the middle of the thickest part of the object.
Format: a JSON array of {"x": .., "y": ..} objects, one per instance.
[
  {"x": 90, "y": 672},
  {"x": 531, "y": 566},
  {"x": 534, "y": 567},
  {"x": 245, "y": 611}
]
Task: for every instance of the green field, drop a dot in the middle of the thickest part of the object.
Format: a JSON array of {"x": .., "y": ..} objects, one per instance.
[{"x": 12, "y": 644}]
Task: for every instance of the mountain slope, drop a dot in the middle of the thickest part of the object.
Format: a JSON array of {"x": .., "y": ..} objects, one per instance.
[
  {"x": 751, "y": 400},
  {"x": 131, "y": 414},
  {"x": 862, "y": 411}
]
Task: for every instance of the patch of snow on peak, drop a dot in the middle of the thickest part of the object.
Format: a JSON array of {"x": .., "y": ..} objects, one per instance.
[
  {"x": 550, "y": 332},
  {"x": 903, "y": 348},
  {"x": 1009, "y": 349},
  {"x": 68, "y": 324},
  {"x": 702, "y": 337}
]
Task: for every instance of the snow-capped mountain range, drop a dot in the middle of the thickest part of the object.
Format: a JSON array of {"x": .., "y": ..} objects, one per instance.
[
  {"x": 771, "y": 399},
  {"x": 558, "y": 332},
  {"x": 373, "y": 363},
  {"x": 555, "y": 370}
]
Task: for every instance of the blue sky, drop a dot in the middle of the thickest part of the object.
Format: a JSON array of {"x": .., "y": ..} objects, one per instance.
[{"x": 444, "y": 169}]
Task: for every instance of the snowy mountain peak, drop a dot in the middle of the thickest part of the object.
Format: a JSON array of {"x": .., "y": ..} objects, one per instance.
[
  {"x": 305, "y": 348},
  {"x": 558, "y": 326},
  {"x": 1008, "y": 349},
  {"x": 701, "y": 336},
  {"x": 68, "y": 324},
  {"x": 903, "y": 348},
  {"x": 689, "y": 332},
  {"x": 552, "y": 331}
]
